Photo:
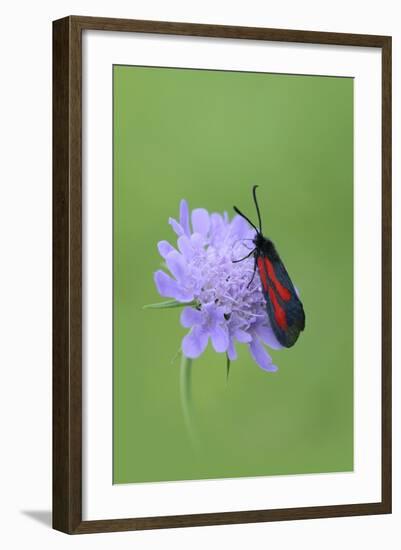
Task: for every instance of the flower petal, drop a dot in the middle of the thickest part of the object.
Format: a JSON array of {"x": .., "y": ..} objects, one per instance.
[
  {"x": 267, "y": 335},
  {"x": 190, "y": 317},
  {"x": 176, "y": 226},
  {"x": 177, "y": 265},
  {"x": 217, "y": 228},
  {"x": 242, "y": 336},
  {"x": 184, "y": 217},
  {"x": 239, "y": 227},
  {"x": 185, "y": 246},
  {"x": 169, "y": 288},
  {"x": 195, "y": 342},
  {"x": 216, "y": 221},
  {"x": 231, "y": 351},
  {"x": 214, "y": 314},
  {"x": 261, "y": 356},
  {"x": 198, "y": 241},
  {"x": 164, "y": 248},
  {"x": 200, "y": 221},
  {"x": 219, "y": 338}
]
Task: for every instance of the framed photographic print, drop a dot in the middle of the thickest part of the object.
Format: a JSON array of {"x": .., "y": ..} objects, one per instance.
[{"x": 222, "y": 274}]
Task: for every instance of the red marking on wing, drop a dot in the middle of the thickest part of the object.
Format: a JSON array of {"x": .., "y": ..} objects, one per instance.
[
  {"x": 283, "y": 292},
  {"x": 262, "y": 273},
  {"x": 279, "y": 312}
]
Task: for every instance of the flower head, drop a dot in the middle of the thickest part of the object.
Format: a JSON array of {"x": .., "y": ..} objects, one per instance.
[{"x": 227, "y": 309}]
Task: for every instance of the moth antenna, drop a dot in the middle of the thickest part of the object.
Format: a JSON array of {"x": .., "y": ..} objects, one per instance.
[
  {"x": 257, "y": 207},
  {"x": 245, "y": 218}
]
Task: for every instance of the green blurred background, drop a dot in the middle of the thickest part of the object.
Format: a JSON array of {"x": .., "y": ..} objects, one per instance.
[{"x": 208, "y": 136}]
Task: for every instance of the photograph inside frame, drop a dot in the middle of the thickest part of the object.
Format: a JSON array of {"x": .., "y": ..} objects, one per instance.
[{"x": 232, "y": 327}]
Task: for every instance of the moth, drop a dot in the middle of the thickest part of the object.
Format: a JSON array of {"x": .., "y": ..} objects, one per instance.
[{"x": 284, "y": 308}]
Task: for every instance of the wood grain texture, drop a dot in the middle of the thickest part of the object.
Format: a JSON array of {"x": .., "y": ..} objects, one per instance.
[
  {"x": 67, "y": 277},
  {"x": 67, "y": 274},
  {"x": 386, "y": 276},
  {"x": 226, "y": 31},
  {"x": 229, "y": 518}
]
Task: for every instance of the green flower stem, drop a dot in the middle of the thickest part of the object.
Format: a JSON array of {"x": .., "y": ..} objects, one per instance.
[
  {"x": 186, "y": 401},
  {"x": 168, "y": 304}
]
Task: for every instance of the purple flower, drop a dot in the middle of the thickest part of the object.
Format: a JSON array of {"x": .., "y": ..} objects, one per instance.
[{"x": 223, "y": 309}]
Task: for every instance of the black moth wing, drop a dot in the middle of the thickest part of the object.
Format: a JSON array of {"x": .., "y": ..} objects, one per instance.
[{"x": 290, "y": 309}]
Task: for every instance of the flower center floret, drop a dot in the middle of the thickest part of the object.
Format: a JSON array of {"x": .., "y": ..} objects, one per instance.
[{"x": 217, "y": 280}]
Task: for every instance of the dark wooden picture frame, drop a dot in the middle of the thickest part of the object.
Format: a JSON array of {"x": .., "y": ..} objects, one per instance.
[{"x": 67, "y": 274}]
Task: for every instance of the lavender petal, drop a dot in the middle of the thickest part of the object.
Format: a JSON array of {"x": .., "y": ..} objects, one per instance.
[
  {"x": 164, "y": 248},
  {"x": 197, "y": 241},
  {"x": 190, "y": 317},
  {"x": 231, "y": 351},
  {"x": 242, "y": 336},
  {"x": 169, "y": 288},
  {"x": 194, "y": 343},
  {"x": 176, "y": 227},
  {"x": 177, "y": 265},
  {"x": 239, "y": 227},
  {"x": 216, "y": 313},
  {"x": 267, "y": 335},
  {"x": 200, "y": 221},
  {"x": 186, "y": 248},
  {"x": 184, "y": 217},
  {"x": 261, "y": 356},
  {"x": 219, "y": 338},
  {"x": 216, "y": 228}
]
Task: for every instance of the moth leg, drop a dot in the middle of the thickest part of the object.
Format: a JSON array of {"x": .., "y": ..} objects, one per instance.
[
  {"x": 245, "y": 257},
  {"x": 253, "y": 274}
]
